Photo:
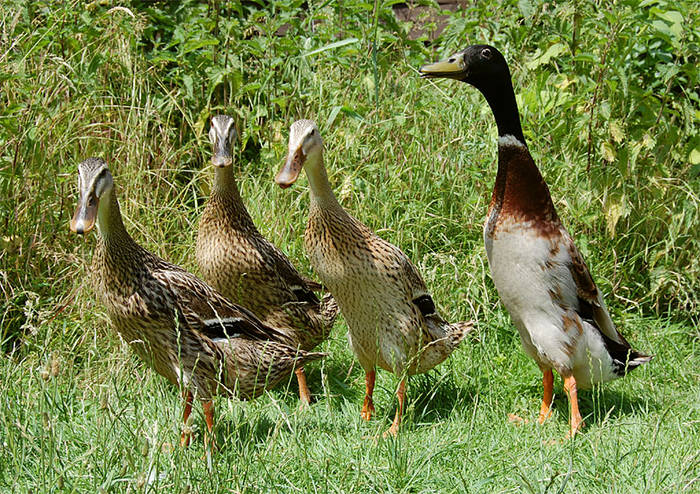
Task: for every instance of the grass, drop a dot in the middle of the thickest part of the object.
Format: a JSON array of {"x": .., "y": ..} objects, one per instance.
[
  {"x": 87, "y": 415},
  {"x": 413, "y": 160}
]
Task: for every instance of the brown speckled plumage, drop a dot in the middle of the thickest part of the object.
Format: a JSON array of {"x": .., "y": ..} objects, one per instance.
[
  {"x": 391, "y": 317},
  {"x": 249, "y": 270},
  {"x": 176, "y": 323}
]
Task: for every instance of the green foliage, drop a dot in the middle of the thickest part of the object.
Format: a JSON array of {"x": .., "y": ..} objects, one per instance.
[
  {"x": 609, "y": 101},
  {"x": 611, "y": 92}
]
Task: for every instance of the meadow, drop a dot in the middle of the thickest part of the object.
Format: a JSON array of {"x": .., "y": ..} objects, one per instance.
[{"x": 608, "y": 94}]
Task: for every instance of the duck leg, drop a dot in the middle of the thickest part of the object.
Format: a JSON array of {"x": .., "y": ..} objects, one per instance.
[
  {"x": 548, "y": 384},
  {"x": 209, "y": 439},
  {"x": 576, "y": 422},
  {"x": 186, "y": 435},
  {"x": 401, "y": 395},
  {"x": 304, "y": 393},
  {"x": 368, "y": 407}
]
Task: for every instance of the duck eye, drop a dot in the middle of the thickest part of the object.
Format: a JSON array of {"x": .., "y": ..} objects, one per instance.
[{"x": 486, "y": 53}]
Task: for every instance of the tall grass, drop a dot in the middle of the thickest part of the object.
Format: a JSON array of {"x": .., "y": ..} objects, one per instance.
[{"x": 609, "y": 101}]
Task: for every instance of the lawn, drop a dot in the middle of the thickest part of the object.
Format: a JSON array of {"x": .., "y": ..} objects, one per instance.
[{"x": 609, "y": 104}]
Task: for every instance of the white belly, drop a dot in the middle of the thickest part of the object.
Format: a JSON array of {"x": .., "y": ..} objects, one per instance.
[
  {"x": 536, "y": 287},
  {"x": 521, "y": 268}
]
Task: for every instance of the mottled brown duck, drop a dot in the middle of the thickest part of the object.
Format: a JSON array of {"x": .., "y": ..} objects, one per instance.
[
  {"x": 539, "y": 273},
  {"x": 392, "y": 320},
  {"x": 180, "y": 326},
  {"x": 239, "y": 262}
]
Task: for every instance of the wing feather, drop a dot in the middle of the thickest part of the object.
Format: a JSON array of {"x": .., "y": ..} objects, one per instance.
[{"x": 210, "y": 313}]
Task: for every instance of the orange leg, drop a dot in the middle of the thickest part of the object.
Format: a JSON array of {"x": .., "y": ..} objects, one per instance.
[
  {"x": 401, "y": 395},
  {"x": 576, "y": 419},
  {"x": 209, "y": 440},
  {"x": 368, "y": 407},
  {"x": 186, "y": 431},
  {"x": 304, "y": 393},
  {"x": 546, "y": 408}
]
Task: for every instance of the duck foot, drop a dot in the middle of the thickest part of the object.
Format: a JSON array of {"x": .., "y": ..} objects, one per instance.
[
  {"x": 401, "y": 395},
  {"x": 517, "y": 419},
  {"x": 576, "y": 421},
  {"x": 186, "y": 435}
]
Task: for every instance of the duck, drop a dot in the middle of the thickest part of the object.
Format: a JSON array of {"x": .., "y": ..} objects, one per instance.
[
  {"x": 174, "y": 322},
  {"x": 540, "y": 275},
  {"x": 391, "y": 317},
  {"x": 239, "y": 262}
]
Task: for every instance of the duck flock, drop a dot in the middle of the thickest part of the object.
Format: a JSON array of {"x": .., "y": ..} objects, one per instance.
[{"x": 253, "y": 319}]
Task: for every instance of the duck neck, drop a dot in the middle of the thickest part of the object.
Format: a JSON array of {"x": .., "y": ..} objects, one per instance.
[
  {"x": 321, "y": 192},
  {"x": 520, "y": 191},
  {"x": 501, "y": 98},
  {"x": 226, "y": 200},
  {"x": 109, "y": 218},
  {"x": 115, "y": 239},
  {"x": 225, "y": 183}
]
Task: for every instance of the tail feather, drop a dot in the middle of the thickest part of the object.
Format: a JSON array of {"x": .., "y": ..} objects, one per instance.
[
  {"x": 624, "y": 358},
  {"x": 306, "y": 357},
  {"x": 633, "y": 360},
  {"x": 460, "y": 330}
]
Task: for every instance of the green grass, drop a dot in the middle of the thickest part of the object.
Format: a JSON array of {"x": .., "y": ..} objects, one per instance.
[
  {"x": 413, "y": 160},
  {"x": 86, "y": 415}
]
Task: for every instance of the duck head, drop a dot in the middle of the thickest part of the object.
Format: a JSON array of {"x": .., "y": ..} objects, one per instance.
[
  {"x": 305, "y": 145},
  {"x": 94, "y": 183},
  {"x": 222, "y": 135},
  {"x": 478, "y": 65}
]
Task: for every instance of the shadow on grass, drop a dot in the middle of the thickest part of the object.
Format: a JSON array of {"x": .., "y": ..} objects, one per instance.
[
  {"x": 434, "y": 397},
  {"x": 600, "y": 405}
]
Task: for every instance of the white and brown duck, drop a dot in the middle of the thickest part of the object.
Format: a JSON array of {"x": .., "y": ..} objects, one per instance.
[
  {"x": 235, "y": 258},
  {"x": 539, "y": 273},
  {"x": 391, "y": 317},
  {"x": 180, "y": 326}
]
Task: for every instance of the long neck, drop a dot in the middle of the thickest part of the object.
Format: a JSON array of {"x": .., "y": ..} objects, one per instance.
[
  {"x": 501, "y": 98},
  {"x": 109, "y": 222},
  {"x": 321, "y": 192},
  {"x": 519, "y": 191},
  {"x": 225, "y": 183},
  {"x": 226, "y": 201}
]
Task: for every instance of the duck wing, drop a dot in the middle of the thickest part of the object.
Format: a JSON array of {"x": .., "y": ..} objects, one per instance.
[
  {"x": 210, "y": 313},
  {"x": 287, "y": 277},
  {"x": 591, "y": 306}
]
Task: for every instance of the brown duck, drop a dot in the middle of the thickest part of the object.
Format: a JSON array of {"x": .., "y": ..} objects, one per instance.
[
  {"x": 539, "y": 273},
  {"x": 391, "y": 317},
  {"x": 180, "y": 326},
  {"x": 244, "y": 266}
]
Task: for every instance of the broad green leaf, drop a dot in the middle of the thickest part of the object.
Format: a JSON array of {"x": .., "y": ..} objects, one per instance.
[{"x": 553, "y": 51}]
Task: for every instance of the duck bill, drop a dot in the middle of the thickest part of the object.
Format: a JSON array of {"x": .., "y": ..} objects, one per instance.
[
  {"x": 289, "y": 172},
  {"x": 444, "y": 69},
  {"x": 85, "y": 215},
  {"x": 222, "y": 157}
]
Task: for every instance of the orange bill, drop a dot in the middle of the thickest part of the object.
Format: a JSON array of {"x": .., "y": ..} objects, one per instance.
[
  {"x": 289, "y": 172},
  {"x": 85, "y": 215}
]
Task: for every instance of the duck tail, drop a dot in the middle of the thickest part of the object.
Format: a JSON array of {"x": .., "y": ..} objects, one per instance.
[
  {"x": 634, "y": 359},
  {"x": 624, "y": 358},
  {"x": 459, "y": 331},
  {"x": 302, "y": 357}
]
